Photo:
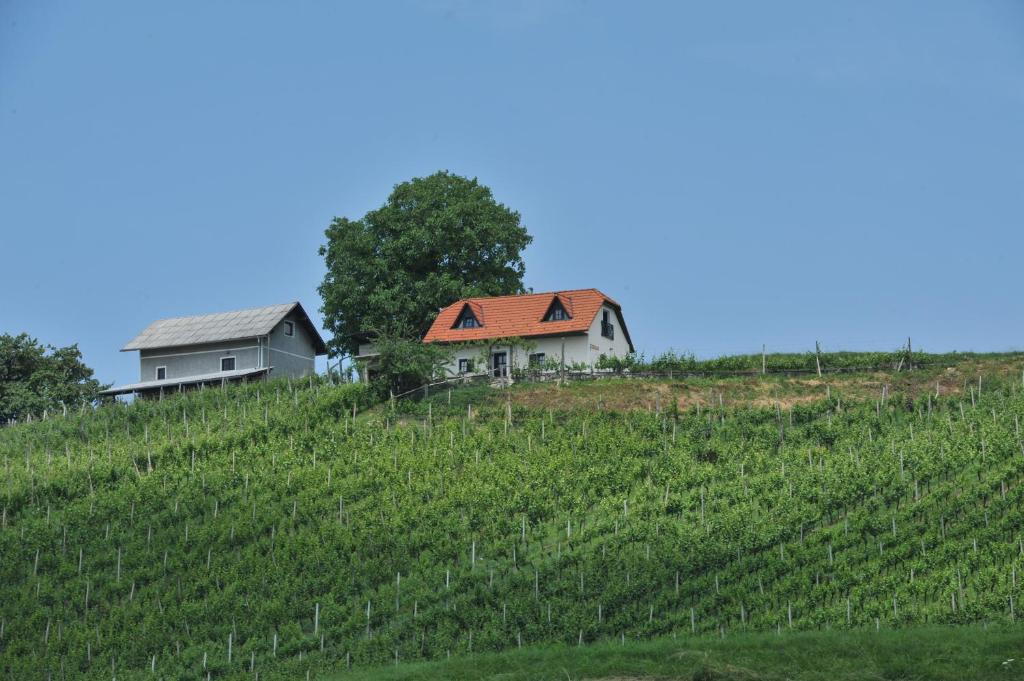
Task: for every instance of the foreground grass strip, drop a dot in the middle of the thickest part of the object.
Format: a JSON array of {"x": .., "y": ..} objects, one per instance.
[{"x": 934, "y": 653}]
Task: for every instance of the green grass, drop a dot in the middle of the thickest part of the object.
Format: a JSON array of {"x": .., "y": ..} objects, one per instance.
[{"x": 933, "y": 653}]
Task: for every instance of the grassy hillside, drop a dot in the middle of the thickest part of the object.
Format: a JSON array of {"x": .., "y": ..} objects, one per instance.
[
  {"x": 942, "y": 375},
  {"x": 264, "y": 528}
]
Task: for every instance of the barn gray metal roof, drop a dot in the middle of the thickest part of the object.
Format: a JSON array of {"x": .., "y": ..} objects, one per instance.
[
  {"x": 167, "y": 383},
  {"x": 220, "y": 326}
]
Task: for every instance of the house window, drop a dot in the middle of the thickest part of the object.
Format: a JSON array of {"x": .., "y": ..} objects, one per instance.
[
  {"x": 557, "y": 312},
  {"x": 537, "y": 360},
  {"x": 227, "y": 363},
  {"x": 607, "y": 328},
  {"x": 161, "y": 373},
  {"x": 289, "y": 328},
  {"x": 467, "y": 320},
  {"x": 465, "y": 366},
  {"x": 500, "y": 366}
]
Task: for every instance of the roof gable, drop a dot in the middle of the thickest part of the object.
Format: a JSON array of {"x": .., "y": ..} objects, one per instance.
[
  {"x": 221, "y": 326},
  {"x": 522, "y": 316}
]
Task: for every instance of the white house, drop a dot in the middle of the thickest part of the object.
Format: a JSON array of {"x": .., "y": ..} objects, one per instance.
[{"x": 499, "y": 334}]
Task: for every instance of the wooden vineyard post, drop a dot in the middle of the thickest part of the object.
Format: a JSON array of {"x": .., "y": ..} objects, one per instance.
[
  {"x": 561, "y": 378},
  {"x": 764, "y": 361},
  {"x": 817, "y": 356}
]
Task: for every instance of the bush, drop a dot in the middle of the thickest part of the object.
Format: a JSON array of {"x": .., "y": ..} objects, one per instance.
[{"x": 403, "y": 364}]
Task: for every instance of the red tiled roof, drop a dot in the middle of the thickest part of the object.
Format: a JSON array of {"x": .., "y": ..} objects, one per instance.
[{"x": 522, "y": 316}]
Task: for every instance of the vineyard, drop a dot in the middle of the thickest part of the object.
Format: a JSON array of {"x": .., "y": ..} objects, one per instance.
[{"x": 283, "y": 530}]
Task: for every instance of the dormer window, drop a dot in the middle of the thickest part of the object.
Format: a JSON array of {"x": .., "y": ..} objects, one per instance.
[
  {"x": 467, "y": 320},
  {"x": 557, "y": 312}
]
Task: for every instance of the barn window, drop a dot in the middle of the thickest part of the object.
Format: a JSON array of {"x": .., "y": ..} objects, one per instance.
[
  {"x": 537, "y": 360},
  {"x": 465, "y": 366},
  {"x": 227, "y": 363},
  {"x": 161, "y": 373},
  {"x": 289, "y": 329}
]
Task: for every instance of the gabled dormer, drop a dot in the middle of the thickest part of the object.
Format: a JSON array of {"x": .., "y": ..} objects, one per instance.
[
  {"x": 467, "y": 319},
  {"x": 556, "y": 312}
]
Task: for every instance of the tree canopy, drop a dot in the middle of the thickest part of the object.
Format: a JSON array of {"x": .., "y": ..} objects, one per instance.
[
  {"x": 36, "y": 377},
  {"x": 436, "y": 239}
]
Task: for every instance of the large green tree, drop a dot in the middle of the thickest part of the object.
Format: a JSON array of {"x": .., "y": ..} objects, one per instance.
[
  {"x": 435, "y": 240},
  {"x": 36, "y": 377}
]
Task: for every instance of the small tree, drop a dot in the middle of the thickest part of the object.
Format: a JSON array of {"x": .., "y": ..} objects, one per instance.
[
  {"x": 403, "y": 364},
  {"x": 630, "y": 362},
  {"x": 36, "y": 378}
]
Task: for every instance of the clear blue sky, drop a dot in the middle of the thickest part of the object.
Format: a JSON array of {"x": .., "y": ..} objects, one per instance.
[{"x": 734, "y": 173}]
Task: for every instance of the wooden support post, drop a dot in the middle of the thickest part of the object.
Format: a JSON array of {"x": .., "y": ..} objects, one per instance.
[{"x": 561, "y": 380}]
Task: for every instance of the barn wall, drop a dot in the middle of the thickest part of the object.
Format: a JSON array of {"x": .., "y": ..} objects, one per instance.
[
  {"x": 292, "y": 355},
  {"x": 193, "y": 360}
]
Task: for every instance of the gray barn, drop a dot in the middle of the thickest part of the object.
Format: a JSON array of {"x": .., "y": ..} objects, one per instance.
[{"x": 210, "y": 349}]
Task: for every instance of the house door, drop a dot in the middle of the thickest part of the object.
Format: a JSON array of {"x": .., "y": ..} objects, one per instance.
[{"x": 500, "y": 364}]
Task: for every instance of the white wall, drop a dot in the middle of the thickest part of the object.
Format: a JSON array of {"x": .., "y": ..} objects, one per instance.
[
  {"x": 599, "y": 345},
  {"x": 519, "y": 357}
]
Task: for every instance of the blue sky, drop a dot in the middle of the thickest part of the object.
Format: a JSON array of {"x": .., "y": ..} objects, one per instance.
[{"x": 734, "y": 173}]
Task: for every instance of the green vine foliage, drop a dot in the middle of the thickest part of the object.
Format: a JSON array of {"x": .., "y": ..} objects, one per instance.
[
  {"x": 281, "y": 522},
  {"x": 686, "y": 362}
]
